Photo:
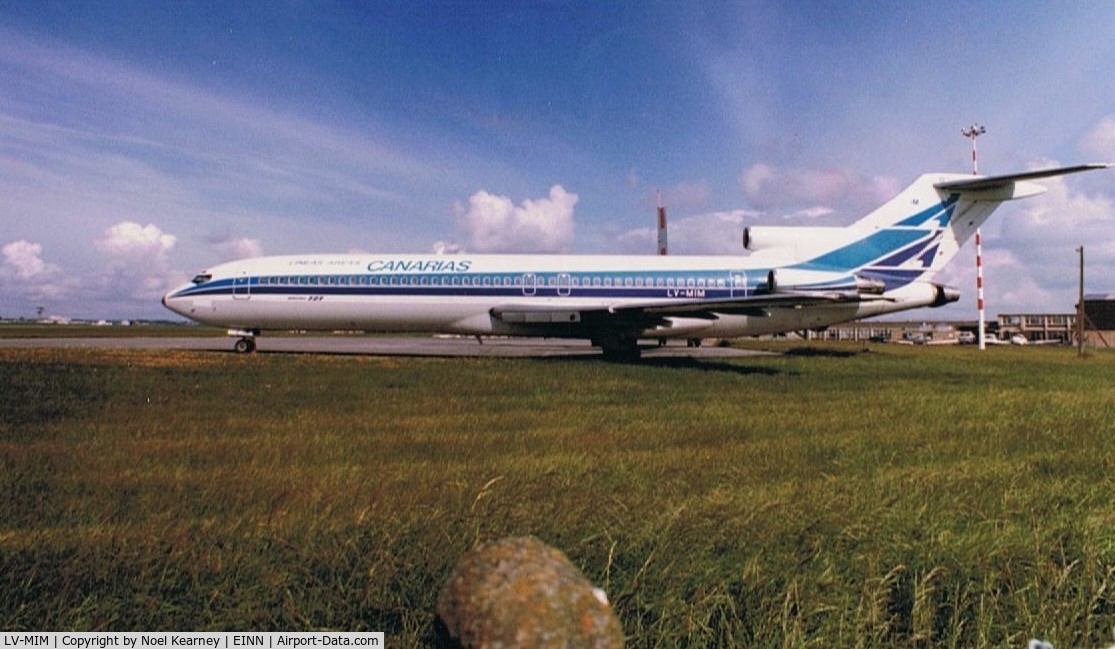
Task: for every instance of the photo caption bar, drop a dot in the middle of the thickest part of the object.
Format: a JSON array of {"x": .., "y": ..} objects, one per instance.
[{"x": 169, "y": 640}]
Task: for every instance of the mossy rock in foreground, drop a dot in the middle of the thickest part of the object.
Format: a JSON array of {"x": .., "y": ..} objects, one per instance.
[{"x": 520, "y": 592}]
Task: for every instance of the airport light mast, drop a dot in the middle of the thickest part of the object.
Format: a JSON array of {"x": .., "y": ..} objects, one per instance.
[{"x": 972, "y": 132}]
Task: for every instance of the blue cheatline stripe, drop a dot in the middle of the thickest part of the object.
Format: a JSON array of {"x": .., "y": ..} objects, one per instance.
[
  {"x": 941, "y": 212},
  {"x": 906, "y": 254},
  {"x": 621, "y": 284},
  {"x": 476, "y": 291},
  {"x": 927, "y": 258},
  {"x": 860, "y": 253}
]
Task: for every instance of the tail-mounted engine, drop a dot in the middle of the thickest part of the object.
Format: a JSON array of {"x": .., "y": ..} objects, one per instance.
[
  {"x": 795, "y": 243},
  {"x": 766, "y": 237},
  {"x": 785, "y": 280},
  {"x": 945, "y": 295}
]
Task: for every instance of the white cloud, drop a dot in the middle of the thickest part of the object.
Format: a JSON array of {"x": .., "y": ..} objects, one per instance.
[
  {"x": 446, "y": 248},
  {"x": 494, "y": 224},
  {"x": 755, "y": 179},
  {"x": 686, "y": 195},
  {"x": 633, "y": 179},
  {"x": 234, "y": 248},
  {"x": 713, "y": 233},
  {"x": 1030, "y": 250},
  {"x": 135, "y": 273},
  {"x": 23, "y": 259},
  {"x": 637, "y": 241},
  {"x": 1061, "y": 217},
  {"x": 138, "y": 261},
  {"x": 1100, "y": 141},
  {"x": 26, "y": 277},
  {"x": 128, "y": 241},
  {"x": 812, "y": 212},
  {"x": 810, "y": 193}
]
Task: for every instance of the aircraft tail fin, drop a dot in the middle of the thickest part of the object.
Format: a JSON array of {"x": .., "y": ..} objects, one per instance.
[{"x": 913, "y": 236}]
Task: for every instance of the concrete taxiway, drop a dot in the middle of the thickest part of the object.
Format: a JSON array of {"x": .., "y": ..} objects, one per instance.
[{"x": 445, "y": 347}]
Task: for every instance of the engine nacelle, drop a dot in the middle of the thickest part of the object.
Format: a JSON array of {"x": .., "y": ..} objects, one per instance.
[
  {"x": 796, "y": 280},
  {"x": 945, "y": 295},
  {"x": 917, "y": 294},
  {"x": 766, "y": 237}
]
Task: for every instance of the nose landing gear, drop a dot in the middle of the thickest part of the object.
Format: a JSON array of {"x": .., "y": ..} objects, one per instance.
[
  {"x": 247, "y": 342},
  {"x": 245, "y": 346}
]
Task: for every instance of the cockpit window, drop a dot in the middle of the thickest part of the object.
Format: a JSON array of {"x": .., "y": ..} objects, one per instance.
[{"x": 202, "y": 278}]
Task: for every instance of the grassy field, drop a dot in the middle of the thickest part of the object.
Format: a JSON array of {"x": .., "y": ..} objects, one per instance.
[
  {"x": 36, "y": 330},
  {"x": 904, "y": 497}
]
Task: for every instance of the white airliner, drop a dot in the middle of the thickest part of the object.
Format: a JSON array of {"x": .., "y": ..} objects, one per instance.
[{"x": 798, "y": 278}]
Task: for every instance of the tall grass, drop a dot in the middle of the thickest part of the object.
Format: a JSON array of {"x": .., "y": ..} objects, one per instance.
[{"x": 824, "y": 497}]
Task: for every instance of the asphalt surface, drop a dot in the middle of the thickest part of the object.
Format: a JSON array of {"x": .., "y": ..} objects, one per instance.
[{"x": 444, "y": 347}]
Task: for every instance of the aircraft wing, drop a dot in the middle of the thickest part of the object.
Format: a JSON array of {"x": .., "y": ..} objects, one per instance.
[
  {"x": 653, "y": 311},
  {"x": 751, "y": 305}
]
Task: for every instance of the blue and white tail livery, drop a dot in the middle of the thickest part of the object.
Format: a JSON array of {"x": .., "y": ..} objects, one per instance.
[{"x": 795, "y": 278}]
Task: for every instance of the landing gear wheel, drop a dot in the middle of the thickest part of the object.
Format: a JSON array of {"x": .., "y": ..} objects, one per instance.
[
  {"x": 617, "y": 345},
  {"x": 245, "y": 346}
]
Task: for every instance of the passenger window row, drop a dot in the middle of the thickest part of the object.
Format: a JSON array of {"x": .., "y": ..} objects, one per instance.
[{"x": 496, "y": 280}]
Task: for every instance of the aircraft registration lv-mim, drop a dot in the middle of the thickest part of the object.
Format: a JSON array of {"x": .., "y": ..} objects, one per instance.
[{"x": 798, "y": 278}]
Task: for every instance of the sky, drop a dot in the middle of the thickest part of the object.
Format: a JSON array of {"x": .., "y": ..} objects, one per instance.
[{"x": 141, "y": 142}]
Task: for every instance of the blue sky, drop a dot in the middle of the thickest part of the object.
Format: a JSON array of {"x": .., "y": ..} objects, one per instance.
[{"x": 141, "y": 142}]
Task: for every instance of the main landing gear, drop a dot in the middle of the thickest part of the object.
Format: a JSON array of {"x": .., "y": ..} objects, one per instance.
[
  {"x": 618, "y": 346},
  {"x": 247, "y": 342}
]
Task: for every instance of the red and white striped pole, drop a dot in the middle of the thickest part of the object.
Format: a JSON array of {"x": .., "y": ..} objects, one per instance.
[
  {"x": 972, "y": 132},
  {"x": 979, "y": 288},
  {"x": 661, "y": 226}
]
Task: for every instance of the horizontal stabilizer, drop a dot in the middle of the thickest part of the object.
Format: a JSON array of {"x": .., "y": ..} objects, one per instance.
[{"x": 989, "y": 183}]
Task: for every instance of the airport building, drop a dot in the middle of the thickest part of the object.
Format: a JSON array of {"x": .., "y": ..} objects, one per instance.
[
  {"x": 1099, "y": 327},
  {"x": 1099, "y": 320},
  {"x": 908, "y": 331},
  {"x": 1035, "y": 327},
  {"x": 1038, "y": 327}
]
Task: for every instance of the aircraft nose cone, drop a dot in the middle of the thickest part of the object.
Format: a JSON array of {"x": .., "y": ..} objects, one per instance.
[{"x": 172, "y": 302}]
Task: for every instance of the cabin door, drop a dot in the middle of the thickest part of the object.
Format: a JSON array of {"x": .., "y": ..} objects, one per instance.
[
  {"x": 241, "y": 287},
  {"x": 564, "y": 285},
  {"x": 738, "y": 281}
]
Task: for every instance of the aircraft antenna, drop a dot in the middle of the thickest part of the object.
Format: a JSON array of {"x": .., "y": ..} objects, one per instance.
[{"x": 972, "y": 132}]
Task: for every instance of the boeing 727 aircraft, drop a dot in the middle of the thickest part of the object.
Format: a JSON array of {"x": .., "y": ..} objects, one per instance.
[{"x": 798, "y": 278}]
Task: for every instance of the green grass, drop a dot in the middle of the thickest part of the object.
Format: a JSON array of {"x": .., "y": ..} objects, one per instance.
[
  {"x": 81, "y": 330},
  {"x": 905, "y": 497}
]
